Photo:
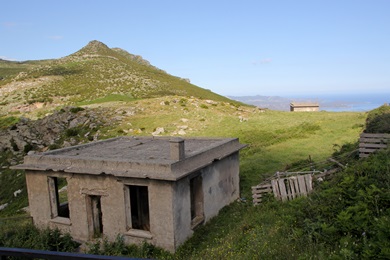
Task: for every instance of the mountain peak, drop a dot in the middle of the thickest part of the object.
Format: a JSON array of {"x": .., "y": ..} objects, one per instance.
[{"x": 95, "y": 47}]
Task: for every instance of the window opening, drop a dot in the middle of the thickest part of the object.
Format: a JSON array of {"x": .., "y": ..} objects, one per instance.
[
  {"x": 58, "y": 197},
  {"x": 95, "y": 216},
  {"x": 139, "y": 207},
  {"x": 196, "y": 194}
]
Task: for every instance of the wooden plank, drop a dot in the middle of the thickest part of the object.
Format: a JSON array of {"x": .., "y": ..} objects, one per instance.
[
  {"x": 302, "y": 185},
  {"x": 374, "y": 140},
  {"x": 259, "y": 189},
  {"x": 366, "y": 145},
  {"x": 282, "y": 189},
  {"x": 275, "y": 188},
  {"x": 262, "y": 191},
  {"x": 375, "y": 135},
  {"x": 294, "y": 193},
  {"x": 256, "y": 196},
  {"x": 308, "y": 180},
  {"x": 295, "y": 185},
  {"x": 367, "y": 150},
  {"x": 336, "y": 162}
]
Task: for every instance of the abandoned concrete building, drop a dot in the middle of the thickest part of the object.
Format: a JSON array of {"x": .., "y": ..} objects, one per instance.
[
  {"x": 304, "y": 107},
  {"x": 152, "y": 189}
]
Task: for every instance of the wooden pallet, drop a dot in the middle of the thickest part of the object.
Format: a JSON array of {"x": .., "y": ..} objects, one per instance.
[
  {"x": 292, "y": 187},
  {"x": 369, "y": 143},
  {"x": 259, "y": 191}
]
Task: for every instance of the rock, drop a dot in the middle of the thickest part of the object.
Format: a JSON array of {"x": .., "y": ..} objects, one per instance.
[
  {"x": 3, "y": 206},
  {"x": 211, "y": 102},
  {"x": 181, "y": 132},
  {"x": 159, "y": 130},
  {"x": 35, "y": 135},
  {"x": 242, "y": 119},
  {"x": 184, "y": 120},
  {"x": 16, "y": 193}
]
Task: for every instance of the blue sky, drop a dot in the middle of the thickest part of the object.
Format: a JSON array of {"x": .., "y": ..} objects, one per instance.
[{"x": 230, "y": 47}]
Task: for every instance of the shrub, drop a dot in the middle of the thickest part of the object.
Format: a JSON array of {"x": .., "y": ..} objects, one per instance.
[
  {"x": 28, "y": 236},
  {"x": 72, "y": 132},
  {"x": 379, "y": 124},
  {"x": 183, "y": 102},
  {"x": 28, "y": 147},
  {"x": 119, "y": 248},
  {"x": 8, "y": 121},
  {"x": 14, "y": 145},
  {"x": 378, "y": 120},
  {"x": 76, "y": 109}
]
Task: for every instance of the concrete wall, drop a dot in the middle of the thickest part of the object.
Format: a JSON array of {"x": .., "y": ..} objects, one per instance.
[
  {"x": 220, "y": 188},
  {"x": 304, "y": 109},
  {"x": 169, "y": 202},
  {"x": 221, "y": 185},
  {"x": 39, "y": 202},
  {"x": 112, "y": 194}
]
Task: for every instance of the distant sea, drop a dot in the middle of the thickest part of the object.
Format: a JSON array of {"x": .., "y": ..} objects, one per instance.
[{"x": 344, "y": 102}]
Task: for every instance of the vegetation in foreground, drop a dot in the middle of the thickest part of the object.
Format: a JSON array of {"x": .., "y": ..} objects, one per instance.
[{"x": 346, "y": 217}]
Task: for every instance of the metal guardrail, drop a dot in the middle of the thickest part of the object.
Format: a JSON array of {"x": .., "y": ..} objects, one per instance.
[{"x": 42, "y": 254}]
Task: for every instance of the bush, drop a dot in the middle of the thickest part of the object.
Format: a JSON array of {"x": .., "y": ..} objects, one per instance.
[
  {"x": 350, "y": 212},
  {"x": 28, "y": 236},
  {"x": 72, "y": 132},
  {"x": 379, "y": 124},
  {"x": 28, "y": 147},
  {"x": 8, "y": 121},
  {"x": 119, "y": 248},
  {"x": 76, "y": 109},
  {"x": 378, "y": 120}
]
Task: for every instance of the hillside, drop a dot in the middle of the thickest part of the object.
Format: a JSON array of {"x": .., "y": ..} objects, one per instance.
[
  {"x": 93, "y": 72},
  {"x": 100, "y": 92},
  {"x": 347, "y": 217}
]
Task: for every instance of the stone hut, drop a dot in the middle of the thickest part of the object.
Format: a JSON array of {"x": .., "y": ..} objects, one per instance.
[
  {"x": 151, "y": 189},
  {"x": 305, "y": 107}
]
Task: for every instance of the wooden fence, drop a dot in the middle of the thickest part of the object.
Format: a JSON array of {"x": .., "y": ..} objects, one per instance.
[
  {"x": 369, "y": 143},
  {"x": 290, "y": 185},
  {"x": 285, "y": 186}
]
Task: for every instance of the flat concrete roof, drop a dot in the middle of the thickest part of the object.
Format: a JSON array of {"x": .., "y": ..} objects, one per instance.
[
  {"x": 304, "y": 104},
  {"x": 136, "y": 157}
]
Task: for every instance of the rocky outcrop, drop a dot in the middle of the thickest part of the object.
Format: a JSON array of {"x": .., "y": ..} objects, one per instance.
[{"x": 57, "y": 129}]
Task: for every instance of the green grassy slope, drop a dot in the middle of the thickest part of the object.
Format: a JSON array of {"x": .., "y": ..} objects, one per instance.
[
  {"x": 93, "y": 72},
  {"x": 276, "y": 141},
  {"x": 128, "y": 88}
]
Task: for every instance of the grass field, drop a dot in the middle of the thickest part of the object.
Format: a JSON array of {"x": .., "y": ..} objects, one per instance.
[{"x": 276, "y": 141}]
